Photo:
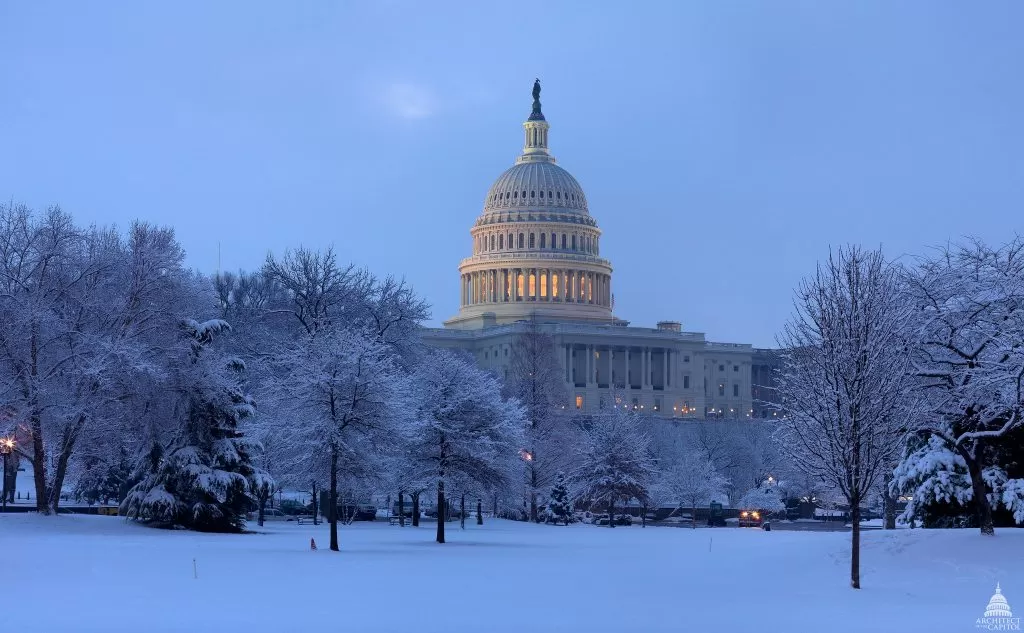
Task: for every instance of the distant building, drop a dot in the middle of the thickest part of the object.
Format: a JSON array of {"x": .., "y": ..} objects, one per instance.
[{"x": 536, "y": 262}]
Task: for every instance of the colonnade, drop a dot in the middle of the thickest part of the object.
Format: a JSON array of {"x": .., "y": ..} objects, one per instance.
[{"x": 559, "y": 285}]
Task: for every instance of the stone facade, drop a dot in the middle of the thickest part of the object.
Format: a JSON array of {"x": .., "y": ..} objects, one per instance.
[{"x": 536, "y": 263}]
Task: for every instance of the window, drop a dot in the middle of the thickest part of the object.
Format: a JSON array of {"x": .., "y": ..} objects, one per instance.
[
  {"x": 554, "y": 242},
  {"x": 492, "y": 242},
  {"x": 579, "y": 401},
  {"x": 686, "y": 358},
  {"x": 506, "y": 352},
  {"x": 533, "y": 194},
  {"x": 573, "y": 242},
  {"x": 657, "y": 404},
  {"x": 721, "y": 390},
  {"x": 501, "y": 242},
  {"x": 521, "y": 241},
  {"x": 563, "y": 241},
  {"x": 549, "y": 194},
  {"x": 485, "y": 355},
  {"x": 543, "y": 238},
  {"x": 532, "y": 240},
  {"x": 735, "y": 391},
  {"x": 686, "y": 382},
  {"x": 515, "y": 194},
  {"x": 558, "y": 194},
  {"x": 735, "y": 367},
  {"x": 721, "y": 368}
]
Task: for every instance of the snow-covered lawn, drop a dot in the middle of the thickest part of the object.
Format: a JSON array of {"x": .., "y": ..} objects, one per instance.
[{"x": 103, "y": 574}]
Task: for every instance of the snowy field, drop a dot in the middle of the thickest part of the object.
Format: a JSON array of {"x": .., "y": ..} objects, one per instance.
[{"x": 103, "y": 574}]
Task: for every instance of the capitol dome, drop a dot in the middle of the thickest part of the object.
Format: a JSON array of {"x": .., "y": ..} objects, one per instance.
[
  {"x": 536, "y": 185},
  {"x": 536, "y": 248}
]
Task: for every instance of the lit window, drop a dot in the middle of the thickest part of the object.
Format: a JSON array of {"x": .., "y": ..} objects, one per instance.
[
  {"x": 579, "y": 401},
  {"x": 543, "y": 284}
]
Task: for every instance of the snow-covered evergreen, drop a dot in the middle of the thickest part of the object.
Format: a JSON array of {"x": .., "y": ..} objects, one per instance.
[
  {"x": 205, "y": 476},
  {"x": 559, "y": 507}
]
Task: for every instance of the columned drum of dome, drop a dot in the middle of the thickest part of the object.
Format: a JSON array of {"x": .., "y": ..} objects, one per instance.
[{"x": 536, "y": 249}]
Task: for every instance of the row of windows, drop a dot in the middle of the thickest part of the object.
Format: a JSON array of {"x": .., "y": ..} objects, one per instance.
[
  {"x": 514, "y": 195},
  {"x": 497, "y": 242},
  {"x": 735, "y": 368}
]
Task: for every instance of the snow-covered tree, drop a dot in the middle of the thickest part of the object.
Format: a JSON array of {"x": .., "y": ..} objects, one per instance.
[
  {"x": 844, "y": 385},
  {"x": 203, "y": 479},
  {"x": 692, "y": 480},
  {"x": 969, "y": 359},
  {"x": 464, "y": 430},
  {"x": 345, "y": 400},
  {"x": 536, "y": 379},
  {"x": 765, "y": 497},
  {"x": 616, "y": 463},
  {"x": 559, "y": 505}
]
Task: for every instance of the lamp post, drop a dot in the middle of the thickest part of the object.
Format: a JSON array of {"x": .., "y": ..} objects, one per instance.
[{"x": 6, "y": 448}]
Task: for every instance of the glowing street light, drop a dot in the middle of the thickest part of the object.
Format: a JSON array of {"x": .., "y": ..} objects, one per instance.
[{"x": 6, "y": 448}]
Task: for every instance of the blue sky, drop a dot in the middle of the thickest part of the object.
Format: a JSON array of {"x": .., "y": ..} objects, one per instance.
[{"x": 723, "y": 146}]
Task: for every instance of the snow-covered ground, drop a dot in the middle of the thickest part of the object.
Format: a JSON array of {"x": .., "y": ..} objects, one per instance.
[{"x": 82, "y": 573}]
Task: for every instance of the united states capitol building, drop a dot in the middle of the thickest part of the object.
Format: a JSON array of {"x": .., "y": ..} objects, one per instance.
[{"x": 536, "y": 265}]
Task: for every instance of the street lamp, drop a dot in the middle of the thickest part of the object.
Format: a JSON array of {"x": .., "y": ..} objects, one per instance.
[{"x": 6, "y": 448}]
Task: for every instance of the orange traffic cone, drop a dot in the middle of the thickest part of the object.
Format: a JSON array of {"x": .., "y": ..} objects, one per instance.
[{"x": 312, "y": 545}]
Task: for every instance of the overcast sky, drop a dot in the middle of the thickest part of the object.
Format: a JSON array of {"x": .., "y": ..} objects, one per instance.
[{"x": 723, "y": 146}]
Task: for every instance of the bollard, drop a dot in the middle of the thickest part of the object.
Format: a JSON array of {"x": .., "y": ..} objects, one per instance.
[{"x": 312, "y": 545}]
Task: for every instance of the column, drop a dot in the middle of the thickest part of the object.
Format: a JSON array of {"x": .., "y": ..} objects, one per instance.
[
  {"x": 627, "y": 378},
  {"x": 664, "y": 369},
  {"x": 611, "y": 367}
]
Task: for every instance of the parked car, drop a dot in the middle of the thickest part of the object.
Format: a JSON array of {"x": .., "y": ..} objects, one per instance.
[
  {"x": 269, "y": 514},
  {"x": 750, "y": 518},
  {"x": 620, "y": 519}
]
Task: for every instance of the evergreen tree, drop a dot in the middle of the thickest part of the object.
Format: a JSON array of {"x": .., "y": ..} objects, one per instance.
[
  {"x": 559, "y": 505},
  {"x": 205, "y": 477}
]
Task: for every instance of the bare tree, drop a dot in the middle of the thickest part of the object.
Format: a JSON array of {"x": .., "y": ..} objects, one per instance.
[
  {"x": 693, "y": 480},
  {"x": 535, "y": 378},
  {"x": 844, "y": 382}
]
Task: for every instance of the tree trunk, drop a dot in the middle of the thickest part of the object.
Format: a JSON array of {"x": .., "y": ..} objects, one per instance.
[
  {"x": 440, "y": 510},
  {"x": 982, "y": 508},
  {"x": 401, "y": 508},
  {"x": 416, "y": 509},
  {"x": 67, "y": 445},
  {"x": 693, "y": 515},
  {"x": 611, "y": 513},
  {"x": 889, "y": 504},
  {"x": 479, "y": 512},
  {"x": 643, "y": 515},
  {"x": 462, "y": 511},
  {"x": 316, "y": 505},
  {"x": 855, "y": 544},
  {"x": 332, "y": 501},
  {"x": 533, "y": 492},
  {"x": 263, "y": 507},
  {"x": 495, "y": 515}
]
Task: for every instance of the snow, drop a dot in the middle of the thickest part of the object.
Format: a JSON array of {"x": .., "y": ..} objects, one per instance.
[{"x": 83, "y": 573}]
